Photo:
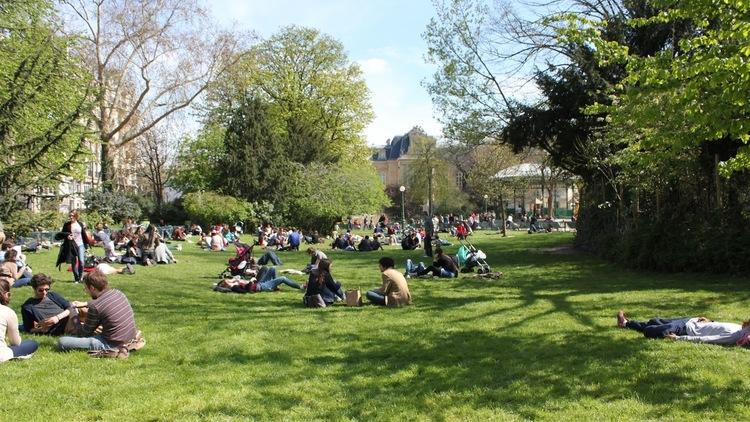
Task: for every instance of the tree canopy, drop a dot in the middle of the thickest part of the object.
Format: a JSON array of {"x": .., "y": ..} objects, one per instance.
[{"x": 44, "y": 103}]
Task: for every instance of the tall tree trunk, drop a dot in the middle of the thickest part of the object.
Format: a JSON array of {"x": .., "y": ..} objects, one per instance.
[
  {"x": 106, "y": 164},
  {"x": 717, "y": 182},
  {"x": 502, "y": 213}
]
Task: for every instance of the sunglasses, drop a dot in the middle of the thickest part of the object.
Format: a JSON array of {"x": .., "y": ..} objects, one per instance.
[{"x": 43, "y": 290}]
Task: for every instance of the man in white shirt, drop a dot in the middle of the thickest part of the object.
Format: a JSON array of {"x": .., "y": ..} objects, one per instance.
[{"x": 697, "y": 329}]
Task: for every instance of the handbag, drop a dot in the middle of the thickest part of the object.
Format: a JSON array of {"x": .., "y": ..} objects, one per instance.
[{"x": 353, "y": 298}]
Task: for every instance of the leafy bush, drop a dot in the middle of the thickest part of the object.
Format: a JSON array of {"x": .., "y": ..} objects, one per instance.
[
  {"x": 326, "y": 194},
  {"x": 94, "y": 217},
  {"x": 211, "y": 208},
  {"x": 115, "y": 205},
  {"x": 23, "y": 222},
  {"x": 172, "y": 213}
]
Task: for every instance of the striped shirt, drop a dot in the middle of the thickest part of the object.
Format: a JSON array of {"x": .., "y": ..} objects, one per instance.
[{"x": 112, "y": 311}]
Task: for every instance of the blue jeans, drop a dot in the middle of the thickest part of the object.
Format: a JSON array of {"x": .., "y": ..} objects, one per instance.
[
  {"x": 269, "y": 256},
  {"x": 659, "y": 327},
  {"x": 446, "y": 274},
  {"x": 86, "y": 343},
  {"x": 375, "y": 297},
  {"x": 268, "y": 286},
  {"x": 78, "y": 266},
  {"x": 23, "y": 281},
  {"x": 266, "y": 274},
  {"x": 330, "y": 296},
  {"x": 26, "y": 348}
]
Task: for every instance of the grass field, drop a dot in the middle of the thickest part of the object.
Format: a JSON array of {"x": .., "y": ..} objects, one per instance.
[{"x": 540, "y": 343}]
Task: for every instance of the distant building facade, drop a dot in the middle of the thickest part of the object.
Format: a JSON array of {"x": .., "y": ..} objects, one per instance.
[{"x": 393, "y": 160}]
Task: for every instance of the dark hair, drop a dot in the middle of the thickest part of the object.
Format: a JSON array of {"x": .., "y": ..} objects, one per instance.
[
  {"x": 387, "y": 262},
  {"x": 40, "y": 280},
  {"x": 4, "y": 288},
  {"x": 439, "y": 250},
  {"x": 11, "y": 254},
  {"x": 7, "y": 245},
  {"x": 324, "y": 268},
  {"x": 96, "y": 279}
]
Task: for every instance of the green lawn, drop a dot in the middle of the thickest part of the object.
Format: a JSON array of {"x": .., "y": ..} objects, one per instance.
[{"x": 541, "y": 343}]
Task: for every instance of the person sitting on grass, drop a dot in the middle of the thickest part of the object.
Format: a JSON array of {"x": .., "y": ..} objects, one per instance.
[
  {"x": 322, "y": 289},
  {"x": 162, "y": 254},
  {"x": 366, "y": 245},
  {"x": 11, "y": 344},
  {"x": 46, "y": 312},
  {"x": 410, "y": 242},
  {"x": 443, "y": 266},
  {"x": 394, "y": 291},
  {"x": 316, "y": 255},
  {"x": 109, "y": 321},
  {"x": 697, "y": 329},
  {"x": 17, "y": 277}
]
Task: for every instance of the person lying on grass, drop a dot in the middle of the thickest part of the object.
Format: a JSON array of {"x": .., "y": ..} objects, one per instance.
[
  {"x": 109, "y": 321},
  {"x": 322, "y": 290},
  {"x": 394, "y": 290},
  {"x": 697, "y": 329},
  {"x": 267, "y": 281},
  {"x": 11, "y": 345},
  {"x": 46, "y": 312}
]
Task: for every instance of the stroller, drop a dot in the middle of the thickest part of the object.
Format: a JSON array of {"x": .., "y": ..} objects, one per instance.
[
  {"x": 470, "y": 257},
  {"x": 238, "y": 263}
]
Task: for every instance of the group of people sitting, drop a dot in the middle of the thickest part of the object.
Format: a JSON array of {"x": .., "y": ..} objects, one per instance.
[
  {"x": 321, "y": 290},
  {"x": 104, "y": 326},
  {"x": 353, "y": 242},
  {"x": 285, "y": 239}
]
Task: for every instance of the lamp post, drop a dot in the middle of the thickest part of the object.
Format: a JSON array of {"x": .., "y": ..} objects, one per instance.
[
  {"x": 403, "y": 216},
  {"x": 485, "y": 203}
]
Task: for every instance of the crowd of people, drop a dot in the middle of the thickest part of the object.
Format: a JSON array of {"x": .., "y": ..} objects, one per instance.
[{"x": 105, "y": 324}]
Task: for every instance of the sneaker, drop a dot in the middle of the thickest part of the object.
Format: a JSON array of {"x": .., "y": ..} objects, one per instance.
[
  {"x": 138, "y": 342},
  {"x": 24, "y": 357},
  {"x": 621, "y": 320},
  {"x": 120, "y": 353}
]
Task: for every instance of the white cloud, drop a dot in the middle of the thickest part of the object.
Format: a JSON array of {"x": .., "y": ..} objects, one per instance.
[{"x": 374, "y": 66}]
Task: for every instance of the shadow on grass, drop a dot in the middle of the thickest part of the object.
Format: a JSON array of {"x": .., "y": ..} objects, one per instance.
[{"x": 434, "y": 374}]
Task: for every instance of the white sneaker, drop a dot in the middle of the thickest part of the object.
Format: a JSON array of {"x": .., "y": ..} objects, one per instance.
[{"x": 24, "y": 357}]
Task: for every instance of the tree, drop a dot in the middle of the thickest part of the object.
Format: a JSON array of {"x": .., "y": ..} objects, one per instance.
[
  {"x": 148, "y": 59},
  {"x": 43, "y": 103},
  {"x": 430, "y": 177},
  {"x": 486, "y": 162},
  {"x": 211, "y": 208},
  {"x": 254, "y": 167},
  {"x": 196, "y": 165},
  {"x": 326, "y": 194},
  {"x": 318, "y": 100},
  {"x": 157, "y": 156}
]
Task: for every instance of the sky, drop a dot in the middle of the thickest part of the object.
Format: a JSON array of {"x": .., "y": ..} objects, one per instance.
[{"x": 383, "y": 36}]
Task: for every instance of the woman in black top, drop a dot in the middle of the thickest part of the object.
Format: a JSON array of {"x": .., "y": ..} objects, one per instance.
[{"x": 322, "y": 289}]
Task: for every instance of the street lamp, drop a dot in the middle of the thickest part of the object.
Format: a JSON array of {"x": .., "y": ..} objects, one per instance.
[
  {"x": 403, "y": 216},
  {"x": 485, "y": 202}
]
